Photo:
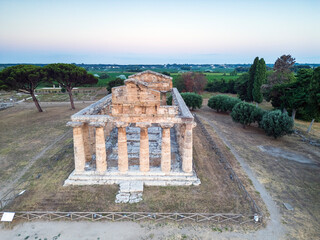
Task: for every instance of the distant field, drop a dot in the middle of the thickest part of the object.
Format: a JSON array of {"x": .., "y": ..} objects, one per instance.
[{"x": 113, "y": 75}]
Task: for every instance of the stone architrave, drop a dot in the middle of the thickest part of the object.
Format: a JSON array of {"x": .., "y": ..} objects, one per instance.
[
  {"x": 187, "y": 148},
  {"x": 101, "y": 155},
  {"x": 79, "y": 152},
  {"x": 144, "y": 146},
  {"x": 166, "y": 147},
  {"x": 122, "y": 147}
]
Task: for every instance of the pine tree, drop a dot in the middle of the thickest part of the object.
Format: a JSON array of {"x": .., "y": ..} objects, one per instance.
[
  {"x": 259, "y": 79},
  {"x": 252, "y": 72}
]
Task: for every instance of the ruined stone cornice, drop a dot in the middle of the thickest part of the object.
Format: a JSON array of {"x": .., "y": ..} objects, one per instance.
[{"x": 151, "y": 72}]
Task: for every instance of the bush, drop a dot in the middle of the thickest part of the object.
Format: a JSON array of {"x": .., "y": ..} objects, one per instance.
[
  {"x": 258, "y": 115},
  {"x": 192, "y": 100},
  {"x": 277, "y": 124},
  {"x": 223, "y": 103},
  {"x": 244, "y": 113}
]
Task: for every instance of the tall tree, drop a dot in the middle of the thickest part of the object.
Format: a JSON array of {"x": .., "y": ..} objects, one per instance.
[
  {"x": 281, "y": 74},
  {"x": 252, "y": 73},
  {"x": 259, "y": 79},
  {"x": 191, "y": 82},
  {"x": 69, "y": 76},
  {"x": 284, "y": 63},
  {"x": 23, "y": 78},
  {"x": 241, "y": 86},
  {"x": 292, "y": 96}
]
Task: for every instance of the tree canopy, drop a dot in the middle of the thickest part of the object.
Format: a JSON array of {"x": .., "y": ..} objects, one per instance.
[
  {"x": 191, "y": 82},
  {"x": 23, "y": 78},
  {"x": 69, "y": 76}
]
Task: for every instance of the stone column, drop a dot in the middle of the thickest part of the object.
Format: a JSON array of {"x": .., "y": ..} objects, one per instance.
[
  {"x": 78, "y": 144},
  {"x": 86, "y": 142},
  {"x": 144, "y": 146},
  {"x": 166, "y": 147},
  {"x": 187, "y": 148},
  {"x": 122, "y": 147},
  {"x": 101, "y": 154}
]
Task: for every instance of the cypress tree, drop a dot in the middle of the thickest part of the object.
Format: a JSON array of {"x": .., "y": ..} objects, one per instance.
[
  {"x": 259, "y": 79},
  {"x": 252, "y": 73}
]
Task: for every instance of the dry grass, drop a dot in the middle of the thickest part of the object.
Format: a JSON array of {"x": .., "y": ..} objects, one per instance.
[
  {"x": 287, "y": 181},
  {"x": 217, "y": 193}
]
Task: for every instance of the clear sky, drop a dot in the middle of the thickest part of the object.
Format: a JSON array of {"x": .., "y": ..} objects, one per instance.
[{"x": 164, "y": 31}]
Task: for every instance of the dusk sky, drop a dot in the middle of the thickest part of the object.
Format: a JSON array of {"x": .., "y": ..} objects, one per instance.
[{"x": 149, "y": 32}]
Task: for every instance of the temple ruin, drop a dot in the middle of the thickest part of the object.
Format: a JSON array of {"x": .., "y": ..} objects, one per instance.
[{"x": 133, "y": 138}]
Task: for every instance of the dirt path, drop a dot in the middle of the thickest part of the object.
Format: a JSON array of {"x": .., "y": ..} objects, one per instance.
[
  {"x": 274, "y": 229},
  {"x": 15, "y": 179}
]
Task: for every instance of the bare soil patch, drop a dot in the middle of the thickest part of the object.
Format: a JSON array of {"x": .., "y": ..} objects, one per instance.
[{"x": 287, "y": 181}]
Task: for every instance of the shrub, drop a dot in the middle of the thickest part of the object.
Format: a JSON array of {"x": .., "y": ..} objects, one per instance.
[
  {"x": 258, "y": 115},
  {"x": 243, "y": 113},
  {"x": 192, "y": 100},
  {"x": 223, "y": 103},
  {"x": 277, "y": 124}
]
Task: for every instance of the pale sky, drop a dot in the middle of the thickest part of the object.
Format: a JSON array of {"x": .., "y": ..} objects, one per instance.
[{"x": 164, "y": 31}]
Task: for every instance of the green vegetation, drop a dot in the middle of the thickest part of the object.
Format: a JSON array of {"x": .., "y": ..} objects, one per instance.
[
  {"x": 114, "y": 83},
  {"x": 192, "y": 100},
  {"x": 222, "y": 103},
  {"x": 69, "y": 76},
  {"x": 300, "y": 96},
  {"x": 277, "y": 124},
  {"x": 259, "y": 79},
  {"x": 23, "y": 78},
  {"x": 244, "y": 113},
  {"x": 222, "y": 86}
]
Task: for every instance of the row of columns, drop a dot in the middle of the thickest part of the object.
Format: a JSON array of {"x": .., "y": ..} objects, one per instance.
[{"x": 82, "y": 150}]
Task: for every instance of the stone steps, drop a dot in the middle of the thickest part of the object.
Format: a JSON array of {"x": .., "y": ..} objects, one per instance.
[{"x": 152, "y": 178}]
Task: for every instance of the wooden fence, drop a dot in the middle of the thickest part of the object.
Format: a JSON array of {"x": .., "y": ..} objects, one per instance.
[{"x": 137, "y": 216}]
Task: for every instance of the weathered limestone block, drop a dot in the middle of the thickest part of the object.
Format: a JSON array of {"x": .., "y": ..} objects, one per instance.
[
  {"x": 122, "y": 147},
  {"x": 101, "y": 155},
  {"x": 79, "y": 152},
  {"x": 166, "y": 147},
  {"x": 144, "y": 146}
]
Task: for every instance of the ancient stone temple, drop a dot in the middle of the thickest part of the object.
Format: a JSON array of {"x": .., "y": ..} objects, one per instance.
[{"x": 133, "y": 138}]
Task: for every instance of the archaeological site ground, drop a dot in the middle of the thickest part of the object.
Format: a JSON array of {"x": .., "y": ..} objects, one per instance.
[{"x": 37, "y": 155}]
